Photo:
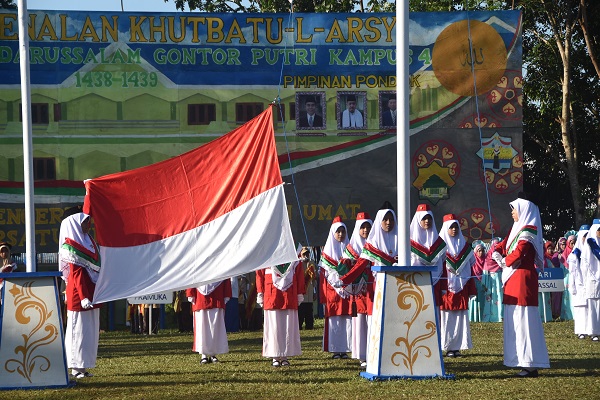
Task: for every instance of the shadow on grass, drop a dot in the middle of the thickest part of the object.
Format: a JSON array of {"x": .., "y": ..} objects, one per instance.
[{"x": 468, "y": 367}]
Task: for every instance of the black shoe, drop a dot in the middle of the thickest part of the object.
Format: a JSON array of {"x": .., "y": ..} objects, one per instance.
[
  {"x": 524, "y": 373},
  {"x": 205, "y": 360},
  {"x": 457, "y": 354},
  {"x": 450, "y": 354}
]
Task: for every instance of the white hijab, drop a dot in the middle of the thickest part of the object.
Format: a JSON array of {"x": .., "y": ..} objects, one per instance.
[
  {"x": 334, "y": 250},
  {"x": 426, "y": 238},
  {"x": 70, "y": 228},
  {"x": 591, "y": 258},
  {"x": 456, "y": 279},
  {"x": 528, "y": 215},
  {"x": 574, "y": 262},
  {"x": 357, "y": 242},
  {"x": 386, "y": 242}
]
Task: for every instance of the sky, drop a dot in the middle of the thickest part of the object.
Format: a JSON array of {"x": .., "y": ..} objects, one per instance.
[{"x": 102, "y": 5}]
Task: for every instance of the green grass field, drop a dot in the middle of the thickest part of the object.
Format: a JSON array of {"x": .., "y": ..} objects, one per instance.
[{"x": 163, "y": 367}]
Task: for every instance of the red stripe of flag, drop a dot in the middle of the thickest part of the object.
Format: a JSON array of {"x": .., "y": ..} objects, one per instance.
[{"x": 161, "y": 200}]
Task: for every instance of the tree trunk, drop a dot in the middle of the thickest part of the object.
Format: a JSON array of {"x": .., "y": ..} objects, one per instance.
[
  {"x": 563, "y": 42},
  {"x": 567, "y": 128},
  {"x": 583, "y": 22}
]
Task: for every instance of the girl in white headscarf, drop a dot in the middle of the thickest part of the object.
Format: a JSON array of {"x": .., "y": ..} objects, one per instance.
[
  {"x": 337, "y": 335},
  {"x": 457, "y": 287},
  {"x": 577, "y": 284},
  {"x": 590, "y": 255},
  {"x": 381, "y": 246},
  {"x": 523, "y": 249},
  {"x": 360, "y": 288},
  {"x": 476, "y": 303},
  {"x": 79, "y": 260},
  {"x": 491, "y": 279},
  {"x": 426, "y": 247}
]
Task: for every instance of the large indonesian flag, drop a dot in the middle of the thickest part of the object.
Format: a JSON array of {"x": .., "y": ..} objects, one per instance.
[{"x": 212, "y": 213}]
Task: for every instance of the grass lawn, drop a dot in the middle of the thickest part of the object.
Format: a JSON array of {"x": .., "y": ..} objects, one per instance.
[{"x": 163, "y": 367}]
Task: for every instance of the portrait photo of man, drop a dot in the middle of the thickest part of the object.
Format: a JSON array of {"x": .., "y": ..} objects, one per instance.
[
  {"x": 353, "y": 105},
  {"x": 388, "y": 105},
  {"x": 311, "y": 114}
]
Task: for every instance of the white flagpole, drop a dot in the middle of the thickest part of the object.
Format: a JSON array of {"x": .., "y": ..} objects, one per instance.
[
  {"x": 403, "y": 133},
  {"x": 27, "y": 140}
]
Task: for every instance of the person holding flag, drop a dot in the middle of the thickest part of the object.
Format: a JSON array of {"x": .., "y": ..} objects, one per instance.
[
  {"x": 208, "y": 304},
  {"x": 361, "y": 289},
  {"x": 518, "y": 255},
  {"x": 279, "y": 291},
  {"x": 337, "y": 335},
  {"x": 79, "y": 260},
  {"x": 457, "y": 288}
]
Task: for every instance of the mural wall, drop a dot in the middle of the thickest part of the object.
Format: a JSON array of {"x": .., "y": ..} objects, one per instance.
[{"x": 116, "y": 91}]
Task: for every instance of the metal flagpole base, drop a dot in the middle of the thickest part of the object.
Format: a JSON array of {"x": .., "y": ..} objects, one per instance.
[{"x": 404, "y": 339}]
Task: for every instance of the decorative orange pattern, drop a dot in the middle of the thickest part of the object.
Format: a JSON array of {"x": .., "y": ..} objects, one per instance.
[
  {"x": 29, "y": 306},
  {"x": 411, "y": 298},
  {"x": 475, "y": 224},
  {"x": 506, "y": 99}
]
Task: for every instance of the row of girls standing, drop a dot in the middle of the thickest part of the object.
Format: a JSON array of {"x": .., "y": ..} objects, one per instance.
[
  {"x": 584, "y": 288},
  {"x": 347, "y": 284},
  {"x": 454, "y": 262}
]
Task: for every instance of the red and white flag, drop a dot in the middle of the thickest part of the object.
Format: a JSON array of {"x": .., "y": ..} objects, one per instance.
[{"x": 215, "y": 212}]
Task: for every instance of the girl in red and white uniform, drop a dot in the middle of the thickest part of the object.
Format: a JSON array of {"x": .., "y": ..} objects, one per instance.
[
  {"x": 361, "y": 288},
  {"x": 79, "y": 260},
  {"x": 518, "y": 255},
  {"x": 337, "y": 335},
  {"x": 426, "y": 247},
  {"x": 280, "y": 290},
  {"x": 208, "y": 304},
  {"x": 457, "y": 287}
]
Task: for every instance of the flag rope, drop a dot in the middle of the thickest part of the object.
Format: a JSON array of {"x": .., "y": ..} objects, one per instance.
[
  {"x": 478, "y": 112},
  {"x": 282, "y": 119}
]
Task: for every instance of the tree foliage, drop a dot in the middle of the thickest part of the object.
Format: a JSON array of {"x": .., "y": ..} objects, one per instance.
[
  {"x": 8, "y": 4},
  {"x": 562, "y": 99},
  {"x": 252, "y": 6}
]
